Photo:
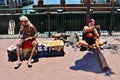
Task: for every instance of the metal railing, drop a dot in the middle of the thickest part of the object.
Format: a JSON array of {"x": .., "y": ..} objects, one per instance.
[{"x": 48, "y": 20}]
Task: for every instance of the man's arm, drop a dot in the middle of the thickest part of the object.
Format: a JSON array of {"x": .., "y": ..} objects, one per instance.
[
  {"x": 96, "y": 33},
  {"x": 88, "y": 29},
  {"x": 20, "y": 32},
  {"x": 36, "y": 33}
]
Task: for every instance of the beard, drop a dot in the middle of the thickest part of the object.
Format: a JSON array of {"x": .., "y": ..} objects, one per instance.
[{"x": 25, "y": 24}]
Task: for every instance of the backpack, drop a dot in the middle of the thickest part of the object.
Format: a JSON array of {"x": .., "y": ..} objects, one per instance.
[{"x": 73, "y": 38}]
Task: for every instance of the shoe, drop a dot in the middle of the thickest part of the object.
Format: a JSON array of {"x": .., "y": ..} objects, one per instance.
[
  {"x": 29, "y": 64},
  {"x": 35, "y": 60},
  {"x": 17, "y": 65},
  {"x": 105, "y": 42},
  {"x": 83, "y": 48}
]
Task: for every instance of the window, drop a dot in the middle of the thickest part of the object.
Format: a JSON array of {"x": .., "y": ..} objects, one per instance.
[
  {"x": 51, "y": 2},
  {"x": 73, "y": 1},
  {"x": 35, "y": 2},
  {"x": 2, "y": 2},
  {"x": 100, "y": 1},
  {"x": 118, "y": 1}
]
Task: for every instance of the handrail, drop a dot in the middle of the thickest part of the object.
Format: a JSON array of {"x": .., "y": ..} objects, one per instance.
[{"x": 52, "y": 8}]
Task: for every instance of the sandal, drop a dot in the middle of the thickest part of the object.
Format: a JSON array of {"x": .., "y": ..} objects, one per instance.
[
  {"x": 29, "y": 64},
  {"x": 17, "y": 65}
]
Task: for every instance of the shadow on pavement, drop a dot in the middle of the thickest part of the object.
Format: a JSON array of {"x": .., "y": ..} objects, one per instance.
[{"x": 89, "y": 63}]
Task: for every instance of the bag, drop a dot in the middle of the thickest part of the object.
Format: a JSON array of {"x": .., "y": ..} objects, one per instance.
[
  {"x": 72, "y": 39},
  {"x": 12, "y": 55},
  {"x": 50, "y": 48}
]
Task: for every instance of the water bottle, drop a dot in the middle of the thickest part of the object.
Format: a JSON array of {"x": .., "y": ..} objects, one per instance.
[{"x": 75, "y": 48}]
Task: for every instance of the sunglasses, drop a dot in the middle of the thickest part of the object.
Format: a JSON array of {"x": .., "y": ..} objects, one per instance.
[{"x": 23, "y": 21}]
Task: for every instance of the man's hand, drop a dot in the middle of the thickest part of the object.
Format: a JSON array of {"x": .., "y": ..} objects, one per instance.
[
  {"x": 95, "y": 30},
  {"x": 88, "y": 29},
  {"x": 97, "y": 26},
  {"x": 29, "y": 38},
  {"x": 20, "y": 36}
]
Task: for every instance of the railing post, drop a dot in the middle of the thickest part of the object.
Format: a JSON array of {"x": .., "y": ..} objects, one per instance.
[
  {"x": 88, "y": 11},
  {"x": 48, "y": 15},
  {"x": 62, "y": 3},
  {"x": 112, "y": 16}
]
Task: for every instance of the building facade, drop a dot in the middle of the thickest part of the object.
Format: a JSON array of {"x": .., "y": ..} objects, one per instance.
[{"x": 16, "y": 2}]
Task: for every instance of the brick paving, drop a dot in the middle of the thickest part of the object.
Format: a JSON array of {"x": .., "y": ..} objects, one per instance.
[{"x": 74, "y": 65}]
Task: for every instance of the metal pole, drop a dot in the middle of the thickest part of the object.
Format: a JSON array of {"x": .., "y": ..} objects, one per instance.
[
  {"x": 112, "y": 17},
  {"x": 12, "y": 7},
  {"x": 88, "y": 12},
  {"x": 10, "y": 3},
  {"x": 62, "y": 3},
  {"x": 48, "y": 15}
]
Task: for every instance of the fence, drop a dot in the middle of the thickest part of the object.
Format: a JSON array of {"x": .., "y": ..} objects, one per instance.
[{"x": 61, "y": 22}]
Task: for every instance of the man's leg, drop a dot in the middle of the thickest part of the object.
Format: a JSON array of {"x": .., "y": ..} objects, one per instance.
[
  {"x": 33, "y": 52},
  {"x": 101, "y": 43},
  {"x": 18, "y": 55},
  {"x": 82, "y": 43}
]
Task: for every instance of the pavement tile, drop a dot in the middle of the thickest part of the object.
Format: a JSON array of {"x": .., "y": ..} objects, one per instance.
[{"x": 74, "y": 65}]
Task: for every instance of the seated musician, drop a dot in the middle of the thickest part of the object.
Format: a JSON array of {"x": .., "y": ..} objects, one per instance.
[
  {"x": 27, "y": 35},
  {"x": 90, "y": 34}
]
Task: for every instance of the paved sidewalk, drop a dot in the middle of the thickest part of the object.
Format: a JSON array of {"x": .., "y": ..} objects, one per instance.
[{"x": 75, "y": 65}]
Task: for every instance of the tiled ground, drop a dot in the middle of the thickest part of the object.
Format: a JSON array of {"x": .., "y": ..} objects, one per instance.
[{"x": 75, "y": 65}]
